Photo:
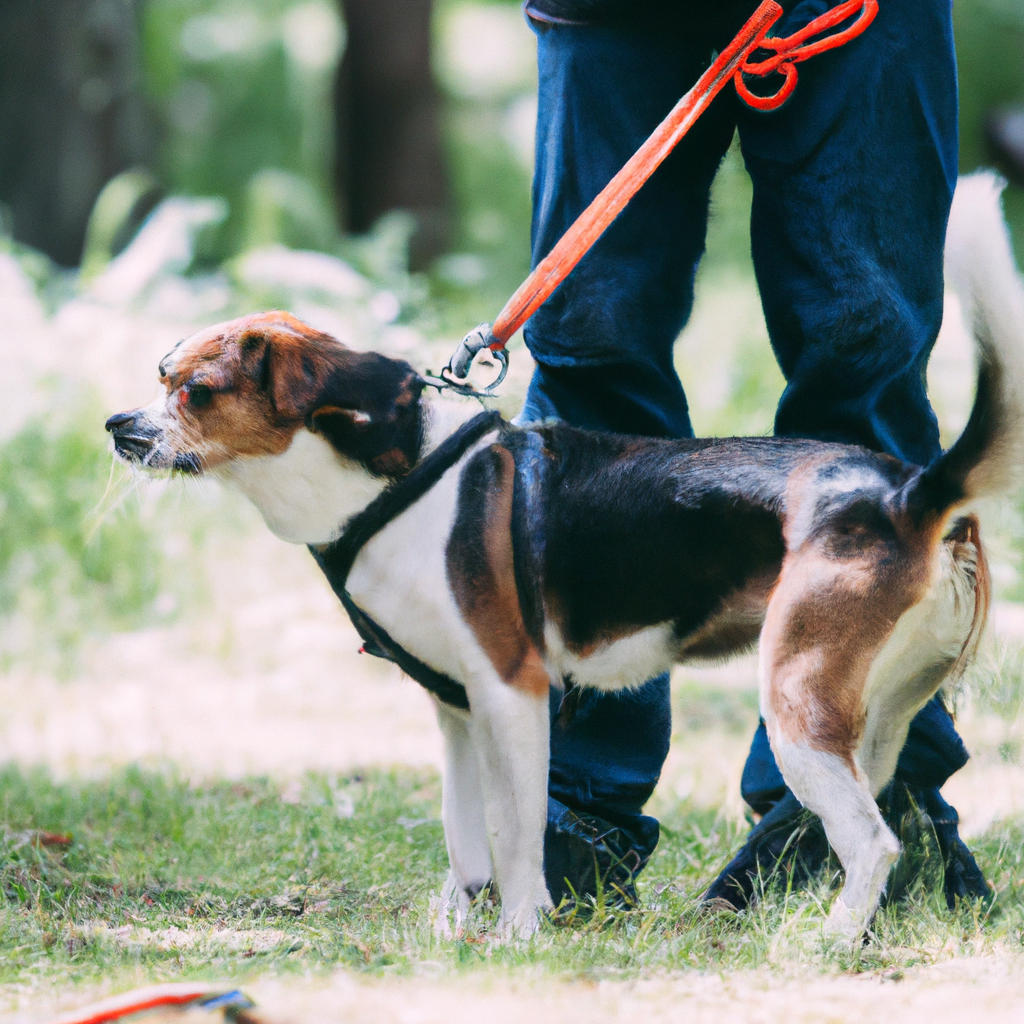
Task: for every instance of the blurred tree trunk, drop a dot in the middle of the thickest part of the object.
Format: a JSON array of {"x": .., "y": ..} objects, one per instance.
[
  {"x": 387, "y": 110},
  {"x": 71, "y": 114}
]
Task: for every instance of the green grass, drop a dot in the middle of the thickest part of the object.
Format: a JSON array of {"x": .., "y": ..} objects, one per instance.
[
  {"x": 166, "y": 880},
  {"x": 64, "y": 570}
]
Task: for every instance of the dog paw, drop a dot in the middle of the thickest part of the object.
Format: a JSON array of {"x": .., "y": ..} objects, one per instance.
[
  {"x": 448, "y": 910},
  {"x": 523, "y": 920},
  {"x": 845, "y": 925}
]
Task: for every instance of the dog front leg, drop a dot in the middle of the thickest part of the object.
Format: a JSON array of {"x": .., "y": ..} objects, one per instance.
[
  {"x": 510, "y": 728},
  {"x": 465, "y": 823}
]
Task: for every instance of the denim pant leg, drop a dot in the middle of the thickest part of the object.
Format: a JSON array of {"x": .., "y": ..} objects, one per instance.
[
  {"x": 603, "y": 342},
  {"x": 853, "y": 179},
  {"x": 932, "y": 753}
]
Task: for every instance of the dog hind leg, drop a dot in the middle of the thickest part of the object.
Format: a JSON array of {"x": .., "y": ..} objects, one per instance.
[{"x": 830, "y": 786}]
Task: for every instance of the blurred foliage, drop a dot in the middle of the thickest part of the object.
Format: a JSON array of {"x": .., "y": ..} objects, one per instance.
[
  {"x": 990, "y": 56},
  {"x": 62, "y": 573},
  {"x": 240, "y": 88},
  {"x": 243, "y": 93}
]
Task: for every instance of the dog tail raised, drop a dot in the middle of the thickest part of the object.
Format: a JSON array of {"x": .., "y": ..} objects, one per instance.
[{"x": 988, "y": 457}]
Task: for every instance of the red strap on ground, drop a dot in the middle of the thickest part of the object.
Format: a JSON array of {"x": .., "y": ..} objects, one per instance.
[
  {"x": 153, "y": 997},
  {"x": 731, "y": 64}
]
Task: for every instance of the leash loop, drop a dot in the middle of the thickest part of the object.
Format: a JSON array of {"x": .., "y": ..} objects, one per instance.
[
  {"x": 730, "y": 65},
  {"x": 788, "y": 51}
]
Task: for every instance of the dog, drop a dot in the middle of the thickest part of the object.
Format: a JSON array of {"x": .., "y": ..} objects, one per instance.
[{"x": 517, "y": 558}]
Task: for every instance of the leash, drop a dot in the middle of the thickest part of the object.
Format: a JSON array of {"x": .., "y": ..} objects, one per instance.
[
  {"x": 337, "y": 558},
  {"x": 176, "y": 995},
  {"x": 733, "y": 64}
]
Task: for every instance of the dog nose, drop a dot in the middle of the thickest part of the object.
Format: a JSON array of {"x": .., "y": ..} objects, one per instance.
[{"x": 119, "y": 419}]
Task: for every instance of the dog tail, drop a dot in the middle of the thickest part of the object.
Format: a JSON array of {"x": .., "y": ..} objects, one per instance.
[{"x": 988, "y": 457}]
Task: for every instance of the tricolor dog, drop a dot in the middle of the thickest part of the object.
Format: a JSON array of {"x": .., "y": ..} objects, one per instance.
[{"x": 493, "y": 561}]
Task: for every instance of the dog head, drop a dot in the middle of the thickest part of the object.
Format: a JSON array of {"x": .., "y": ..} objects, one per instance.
[{"x": 245, "y": 388}]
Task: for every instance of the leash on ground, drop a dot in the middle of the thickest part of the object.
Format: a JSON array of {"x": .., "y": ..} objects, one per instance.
[
  {"x": 234, "y": 1004},
  {"x": 733, "y": 64}
]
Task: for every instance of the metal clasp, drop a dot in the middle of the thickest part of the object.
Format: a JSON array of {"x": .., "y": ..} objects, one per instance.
[{"x": 476, "y": 341}]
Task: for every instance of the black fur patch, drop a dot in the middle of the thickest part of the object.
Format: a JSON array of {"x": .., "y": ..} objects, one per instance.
[
  {"x": 638, "y": 531},
  {"x": 387, "y": 391}
]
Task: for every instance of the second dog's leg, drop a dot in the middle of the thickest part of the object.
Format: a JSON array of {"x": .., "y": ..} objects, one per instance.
[
  {"x": 510, "y": 729},
  {"x": 465, "y": 823}
]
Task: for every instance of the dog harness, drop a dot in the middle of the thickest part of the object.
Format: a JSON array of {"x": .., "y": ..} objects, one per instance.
[{"x": 336, "y": 559}]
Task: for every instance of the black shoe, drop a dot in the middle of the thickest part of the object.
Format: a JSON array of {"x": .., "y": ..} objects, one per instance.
[
  {"x": 792, "y": 841},
  {"x": 915, "y": 815},
  {"x": 962, "y": 876},
  {"x": 788, "y": 840},
  {"x": 585, "y": 855}
]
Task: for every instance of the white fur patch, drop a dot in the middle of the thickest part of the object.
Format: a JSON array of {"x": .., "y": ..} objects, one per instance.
[
  {"x": 930, "y": 634},
  {"x": 826, "y": 784},
  {"x": 617, "y": 665},
  {"x": 308, "y": 492},
  {"x": 980, "y": 268}
]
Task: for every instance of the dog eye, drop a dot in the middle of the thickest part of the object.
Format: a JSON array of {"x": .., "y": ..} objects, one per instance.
[{"x": 199, "y": 395}]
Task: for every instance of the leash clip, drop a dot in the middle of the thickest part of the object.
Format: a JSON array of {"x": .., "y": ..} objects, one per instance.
[{"x": 476, "y": 341}]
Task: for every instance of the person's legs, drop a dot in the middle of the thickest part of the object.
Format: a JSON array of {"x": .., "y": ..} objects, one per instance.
[
  {"x": 603, "y": 346},
  {"x": 853, "y": 179}
]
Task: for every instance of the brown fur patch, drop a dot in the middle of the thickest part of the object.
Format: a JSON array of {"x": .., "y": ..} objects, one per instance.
[
  {"x": 827, "y": 619},
  {"x": 243, "y": 418},
  {"x": 485, "y": 588},
  {"x": 968, "y": 532},
  {"x": 268, "y": 374}
]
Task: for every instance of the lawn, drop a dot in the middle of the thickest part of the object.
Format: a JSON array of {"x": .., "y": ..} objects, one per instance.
[{"x": 163, "y": 879}]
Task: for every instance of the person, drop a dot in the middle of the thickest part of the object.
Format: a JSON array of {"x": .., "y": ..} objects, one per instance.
[{"x": 852, "y": 183}]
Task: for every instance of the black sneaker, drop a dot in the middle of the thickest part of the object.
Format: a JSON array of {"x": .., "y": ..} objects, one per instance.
[
  {"x": 788, "y": 841},
  {"x": 585, "y": 856}
]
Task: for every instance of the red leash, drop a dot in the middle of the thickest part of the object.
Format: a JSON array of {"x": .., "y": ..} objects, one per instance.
[
  {"x": 180, "y": 995},
  {"x": 733, "y": 63}
]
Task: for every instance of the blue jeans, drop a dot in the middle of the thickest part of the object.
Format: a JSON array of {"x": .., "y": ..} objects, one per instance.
[{"x": 852, "y": 183}]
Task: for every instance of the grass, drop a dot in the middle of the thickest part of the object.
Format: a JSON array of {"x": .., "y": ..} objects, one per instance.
[
  {"x": 62, "y": 569},
  {"x": 165, "y": 880}
]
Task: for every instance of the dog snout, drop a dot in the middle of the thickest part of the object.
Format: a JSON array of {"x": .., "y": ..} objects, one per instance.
[
  {"x": 120, "y": 420},
  {"x": 133, "y": 437}
]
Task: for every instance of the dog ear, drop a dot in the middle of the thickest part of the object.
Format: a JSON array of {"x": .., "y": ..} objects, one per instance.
[
  {"x": 371, "y": 413},
  {"x": 290, "y": 373},
  {"x": 365, "y": 404}
]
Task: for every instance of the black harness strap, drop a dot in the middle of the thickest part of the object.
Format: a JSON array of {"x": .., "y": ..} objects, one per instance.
[{"x": 336, "y": 559}]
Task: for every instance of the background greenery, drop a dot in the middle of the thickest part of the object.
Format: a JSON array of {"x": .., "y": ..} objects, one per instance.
[{"x": 242, "y": 94}]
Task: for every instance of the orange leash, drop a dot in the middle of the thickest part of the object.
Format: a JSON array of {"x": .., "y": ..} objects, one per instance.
[
  {"x": 177, "y": 995},
  {"x": 733, "y": 63}
]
